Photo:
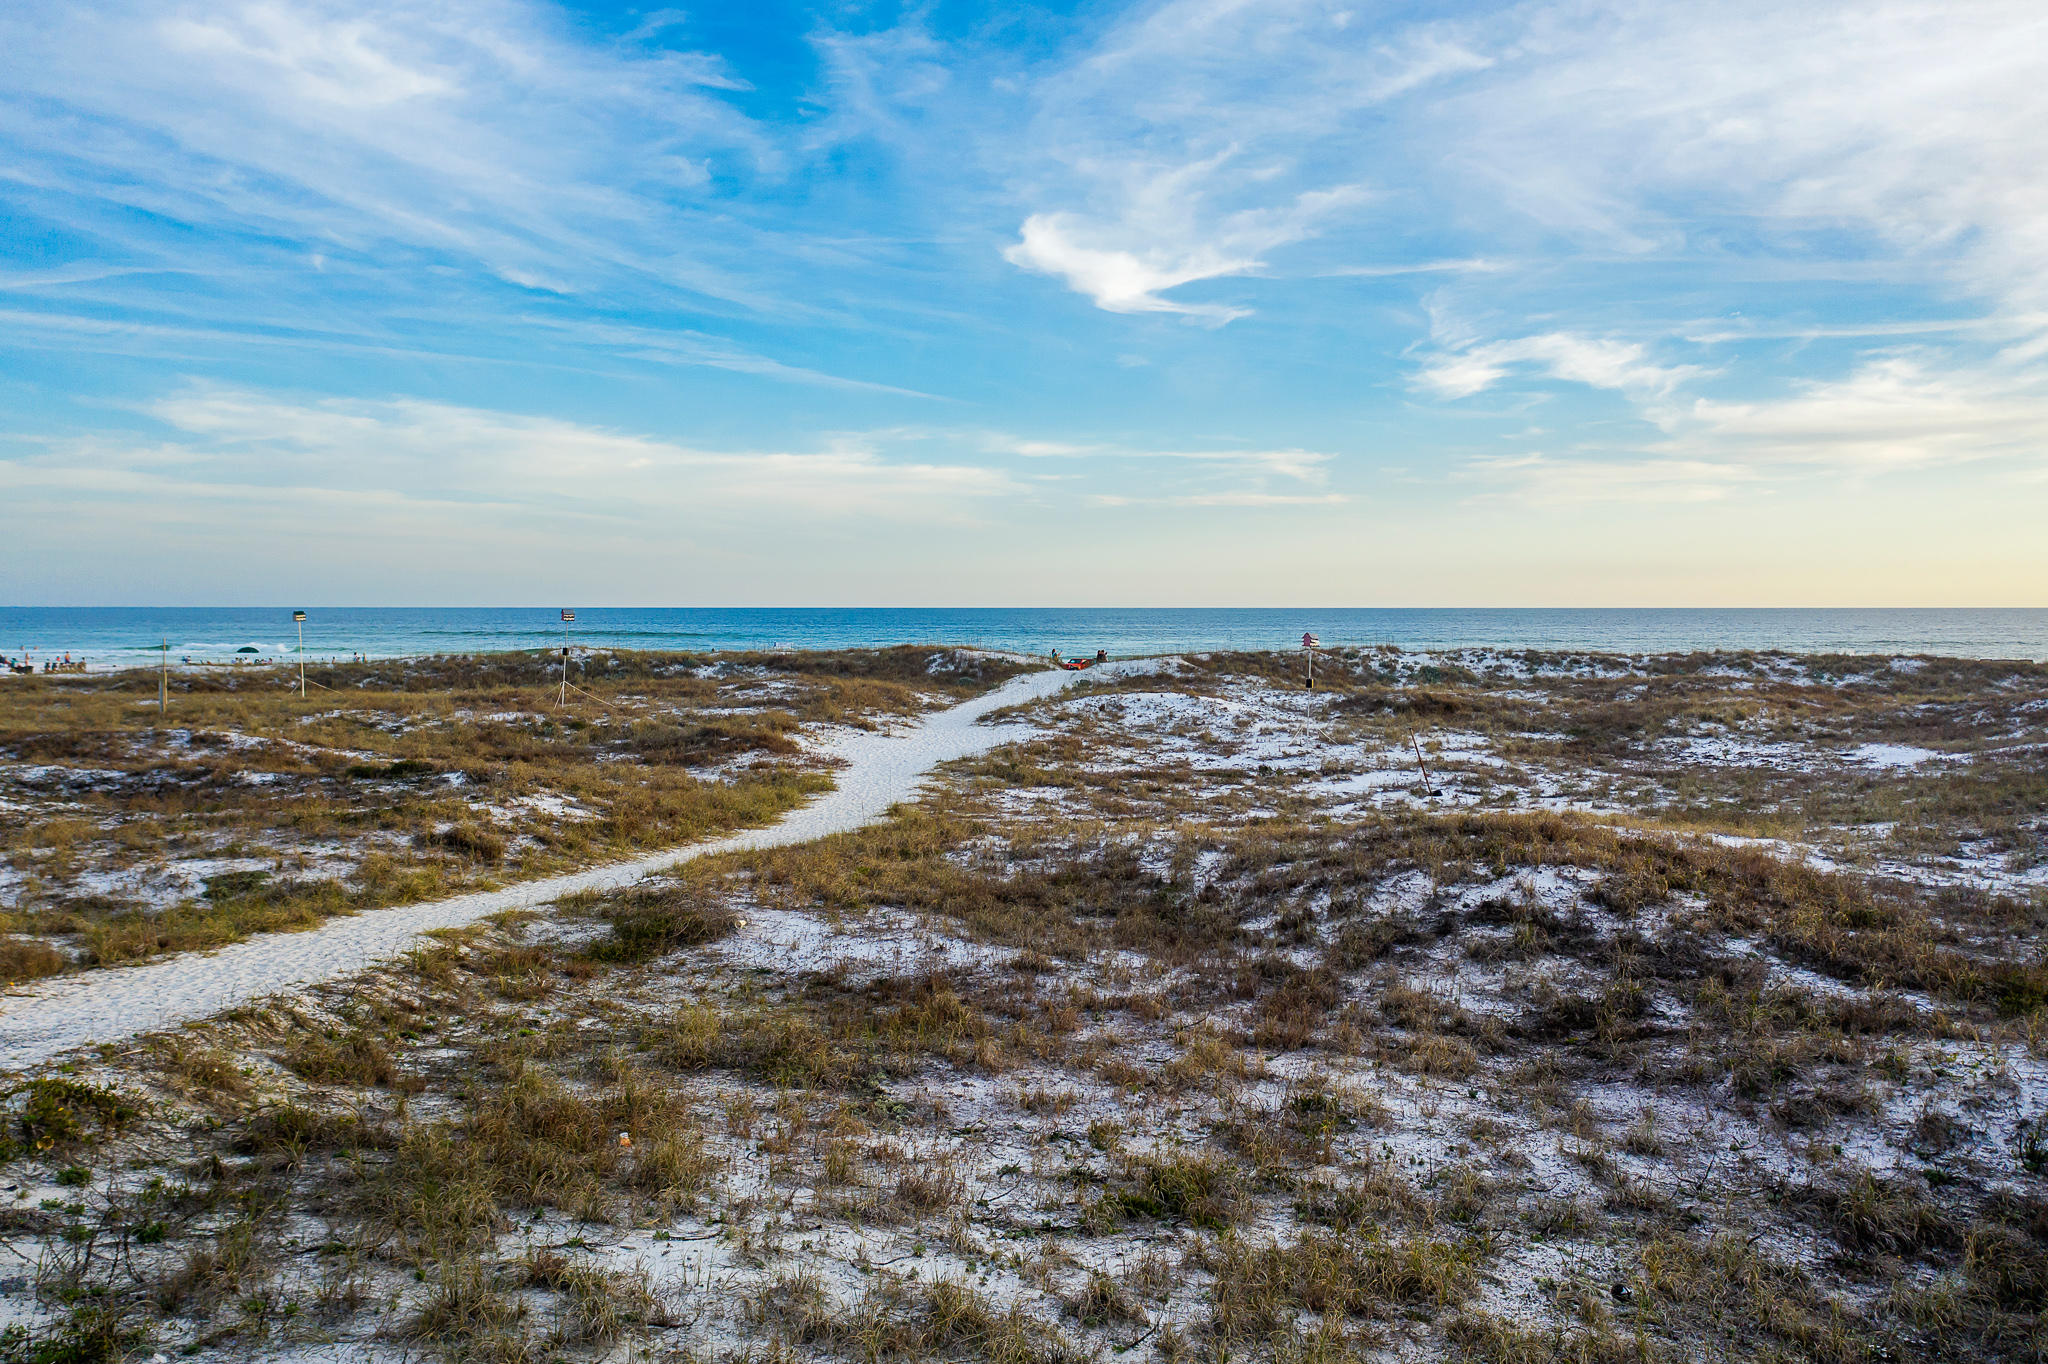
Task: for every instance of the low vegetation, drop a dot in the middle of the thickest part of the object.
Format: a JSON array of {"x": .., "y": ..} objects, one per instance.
[
  {"x": 1050, "y": 1068},
  {"x": 240, "y": 808}
]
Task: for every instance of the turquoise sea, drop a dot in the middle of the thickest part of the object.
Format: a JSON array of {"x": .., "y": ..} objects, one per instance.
[{"x": 131, "y": 635}]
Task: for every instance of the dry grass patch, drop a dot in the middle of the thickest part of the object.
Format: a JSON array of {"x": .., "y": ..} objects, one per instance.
[
  {"x": 1258, "y": 1288},
  {"x": 402, "y": 781}
]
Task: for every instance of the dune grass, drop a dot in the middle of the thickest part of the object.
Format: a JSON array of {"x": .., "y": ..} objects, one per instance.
[
  {"x": 1175, "y": 1084},
  {"x": 394, "y": 782}
]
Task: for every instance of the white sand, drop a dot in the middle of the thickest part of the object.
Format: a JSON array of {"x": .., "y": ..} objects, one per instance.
[{"x": 46, "y": 1020}]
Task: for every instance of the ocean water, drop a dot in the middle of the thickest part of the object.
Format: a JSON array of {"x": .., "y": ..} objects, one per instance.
[{"x": 124, "y": 636}]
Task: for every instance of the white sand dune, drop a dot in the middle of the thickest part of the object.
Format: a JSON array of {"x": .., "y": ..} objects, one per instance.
[{"x": 45, "y": 1021}]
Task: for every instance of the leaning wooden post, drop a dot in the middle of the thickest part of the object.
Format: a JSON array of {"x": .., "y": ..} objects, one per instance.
[{"x": 1427, "y": 784}]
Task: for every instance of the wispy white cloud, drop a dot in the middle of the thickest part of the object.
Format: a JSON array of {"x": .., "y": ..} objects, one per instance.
[
  {"x": 1199, "y": 137},
  {"x": 480, "y": 132},
  {"x": 223, "y": 453},
  {"x": 78, "y": 273},
  {"x": 1123, "y": 281},
  {"x": 510, "y": 205},
  {"x": 1896, "y": 412},
  {"x": 683, "y": 346},
  {"x": 1890, "y": 416},
  {"x": 1473, "y": 266},
  {"x": 586, "y": 346},
  {"x": 1305, "y": 466},
  {"x": 1597, "y": 362},
  {"x": 410, "y": 450},
  {"x": 1166, "y": 247},
  {"x": 1575, "y": 480},
  {"x": 1911, "y": 127},
  {"x": 1722, "y": 333},
  {"x": 1897, "y": 139}
]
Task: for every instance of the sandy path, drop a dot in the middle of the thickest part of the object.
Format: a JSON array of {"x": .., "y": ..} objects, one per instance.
[{"x": 44, "y": 1021}]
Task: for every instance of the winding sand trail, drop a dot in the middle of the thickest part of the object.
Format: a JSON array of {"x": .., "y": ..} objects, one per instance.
[{"x": 43, "y": 1022}]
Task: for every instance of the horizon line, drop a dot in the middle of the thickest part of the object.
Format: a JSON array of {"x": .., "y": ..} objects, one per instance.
[{"x": 528, "y": 606}]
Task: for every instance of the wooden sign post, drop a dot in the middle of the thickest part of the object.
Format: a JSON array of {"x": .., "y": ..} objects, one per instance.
[
  {"x": 299, "y": 619},
  {"x": 1308, "y": 647},
  {"x": 568, "y": 617}
]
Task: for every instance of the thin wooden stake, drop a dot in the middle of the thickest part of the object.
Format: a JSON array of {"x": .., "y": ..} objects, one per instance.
[{"x": 1428, "y": 785}]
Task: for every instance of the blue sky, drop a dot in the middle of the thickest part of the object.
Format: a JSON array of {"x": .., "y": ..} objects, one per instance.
[{"x": 1197, "y": 302}]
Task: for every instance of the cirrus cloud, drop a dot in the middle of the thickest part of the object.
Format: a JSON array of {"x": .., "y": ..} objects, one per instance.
[{"x": 1598, "y": 362}]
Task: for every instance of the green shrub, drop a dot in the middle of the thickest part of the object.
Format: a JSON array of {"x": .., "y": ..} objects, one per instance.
[
  {"x": 652, "y": 922},
  {"x": 54, "y": 1112}
]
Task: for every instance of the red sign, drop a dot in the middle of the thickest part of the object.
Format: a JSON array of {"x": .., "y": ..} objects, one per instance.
[{"x": 1309, "y": 641}]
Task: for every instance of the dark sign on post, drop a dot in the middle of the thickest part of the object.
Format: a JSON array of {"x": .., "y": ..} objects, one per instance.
[{"x": 568, "y": 616}]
